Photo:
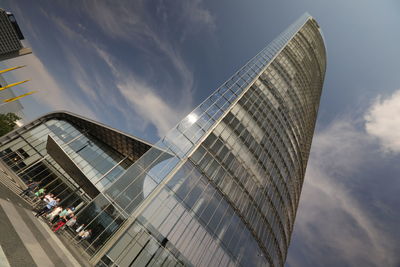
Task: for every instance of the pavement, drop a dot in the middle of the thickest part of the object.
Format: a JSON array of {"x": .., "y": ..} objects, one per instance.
[{"x": 26, "y": 240}]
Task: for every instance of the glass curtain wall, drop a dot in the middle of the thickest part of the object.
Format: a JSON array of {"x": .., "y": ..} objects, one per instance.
[
  {"x": 222, "y": 187},
  {"x": 27, "y": 156}
]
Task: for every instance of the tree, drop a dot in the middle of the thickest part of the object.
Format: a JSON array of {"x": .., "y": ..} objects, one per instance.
[{"x": 8, "y": 122}]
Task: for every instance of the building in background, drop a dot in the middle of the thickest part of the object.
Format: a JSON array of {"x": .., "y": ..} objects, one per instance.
[
  {"x": 10, "y": 37},
  {"x": 73, "y": 157},
  {"x": 221, "y": 188},
  {"x": 10, "y": 47}
]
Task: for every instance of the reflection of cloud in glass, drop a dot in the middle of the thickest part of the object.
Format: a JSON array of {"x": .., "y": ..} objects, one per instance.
[
  {"x": 162, "y": 166},
  {"x": 148, "y": 186}
]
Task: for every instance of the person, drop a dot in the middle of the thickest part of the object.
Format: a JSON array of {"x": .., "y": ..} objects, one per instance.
[
  {"x": 55, "y": 212},
  {"x": 30, "y": 187},
  {"x": 71, "y": 222},
  {"x": 71, "y": 210},
  {"x": 48, "y": 207},
  {"x": 63, "y": 220},
  {"x": 80, "y": 228},
  {"x": 40, "y": 192},
  {"x": 47, "y": 198},
  {"x": 84, "y": 234},
  {"x": 58, "y": 216}
]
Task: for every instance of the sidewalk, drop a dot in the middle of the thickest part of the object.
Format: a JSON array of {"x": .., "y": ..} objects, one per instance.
[{"x": 26, "y": 240}]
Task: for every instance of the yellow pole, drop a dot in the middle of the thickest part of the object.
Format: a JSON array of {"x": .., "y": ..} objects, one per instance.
[
  {"x": 18, "y": 97},
  {"x": 10, "y": 69},
  {"x": 12, "y": 84}
]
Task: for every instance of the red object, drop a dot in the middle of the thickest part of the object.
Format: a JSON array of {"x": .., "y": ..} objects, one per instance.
[{"x": 58, "y": 226}]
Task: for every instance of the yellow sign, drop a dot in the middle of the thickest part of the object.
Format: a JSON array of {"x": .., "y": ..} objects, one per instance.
[
  {"x": 12, "y": 84},
  {"x": 18, "y": 97},
  {"x": 10, "y": 69}
]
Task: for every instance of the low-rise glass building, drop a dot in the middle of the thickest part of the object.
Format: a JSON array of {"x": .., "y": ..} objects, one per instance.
[{"x": 72, "y": 157}]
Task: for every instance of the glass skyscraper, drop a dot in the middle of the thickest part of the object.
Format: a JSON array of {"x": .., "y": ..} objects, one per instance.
[
  {"x": 220, "y": 189},
  {"x": 223, "y": 186}
]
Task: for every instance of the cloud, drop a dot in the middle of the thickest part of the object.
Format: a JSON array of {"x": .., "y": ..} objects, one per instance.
[
  {"x": 144, "y": 98},
  {"x": 335, "y": 221},
  {"x": 158, "y": 91},
  {"x": 196, "y": 18},
  {"x": 121, "y": 89},
  {"x": 165, "y": 93},
  {"x": 80, "y": 58},
  {"x": 134, "y": 23},
  {"x": 383, "y": 122},
  {"x": 50, "y": 93},
  {"x": 148, "y": 104},
  {"x": 134, "y": 20},
  {"x": 198, "y": 15},
  {"x": 81, "y": 77}
]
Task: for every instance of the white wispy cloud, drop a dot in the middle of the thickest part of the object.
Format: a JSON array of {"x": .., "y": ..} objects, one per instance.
[
  {"x": 148, "y": 104},
  {"x": 81, "y": 77},
  {"x": 132, "y": 22},
  {"x": 383, "y": 122},
  {"x": 161, "y": 104},
  {"x": 160, "y": 97},
  {"x": 198, "y": 15},
  {"x": 331, "y": 217},
  {"x": 196, "y": 18},
  {"x": 138, "y": 97},
  {"x": 85, "y": 76},
  {"x": 143, "y": 97}
]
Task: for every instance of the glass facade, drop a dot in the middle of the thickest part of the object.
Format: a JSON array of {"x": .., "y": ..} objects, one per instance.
[
  {"x": 223, "y": 186},
  {"x": 27, "y": 157},
  {"x": 77, "y": 160}
]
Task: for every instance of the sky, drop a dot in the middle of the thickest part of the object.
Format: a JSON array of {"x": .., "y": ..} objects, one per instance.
[{"x": 141, "y": 66}]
